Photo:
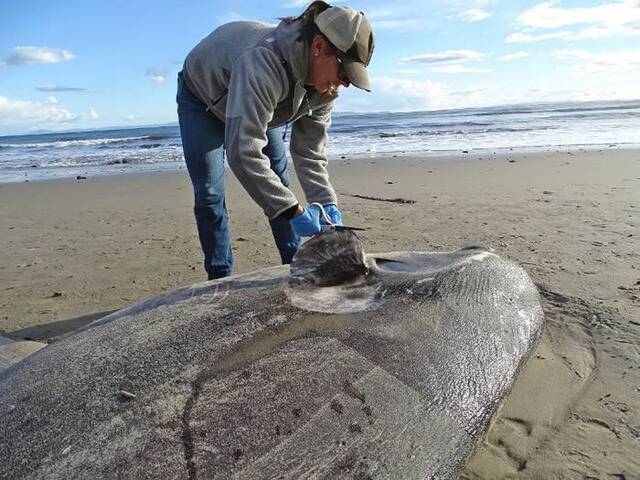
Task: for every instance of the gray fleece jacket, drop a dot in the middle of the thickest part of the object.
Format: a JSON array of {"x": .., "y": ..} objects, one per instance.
[{"x": 251, "y": 76}]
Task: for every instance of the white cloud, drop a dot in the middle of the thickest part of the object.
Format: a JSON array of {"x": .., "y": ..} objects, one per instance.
[
  {"x": 156, "y": 76},
  {"x": 563, "y": 92},
  {"x": 618, "y": 61},
  {"x": 14, "y": 112},
  {"x": 599, "y": 32},
  {"x": 93, "y": 115},
  {"x": 579, "y": 94},
  {"x": 469, "y": 92},
  {"x": 548, "y": 15},
  {"x": 405, "y": 94},
  {"x": 431, "y": 94},
  {"x": 529, "y": 38},
  {"x": 445, "y": 57},
  {"x": 614, "y": 18},
  {"x": 514, "y": 56},
  {"x": 37, "y": 55},
  {"x": 473, "y": 15},
  {"x": 59, "y": 88},
  {"x": 457, "y": 68}
]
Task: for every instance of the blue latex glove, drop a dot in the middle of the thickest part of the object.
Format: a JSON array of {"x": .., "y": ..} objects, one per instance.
[
  {"x": 333, "y": 213},
  {"x": 308, "y": 222}
]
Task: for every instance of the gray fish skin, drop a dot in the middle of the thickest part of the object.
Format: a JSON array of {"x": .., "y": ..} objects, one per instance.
[{"x": 229, "y": 379}]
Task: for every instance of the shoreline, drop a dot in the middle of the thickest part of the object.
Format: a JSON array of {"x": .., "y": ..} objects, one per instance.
[
  {"x": 74, "y": 249},
  {"x": 21, "y": 174}
]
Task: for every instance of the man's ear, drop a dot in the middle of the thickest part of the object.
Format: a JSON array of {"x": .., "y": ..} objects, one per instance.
[{"x": 319, "y": 45}]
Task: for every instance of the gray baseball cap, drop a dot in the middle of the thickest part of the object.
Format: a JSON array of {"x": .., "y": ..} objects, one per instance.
[{"x": 350, "y": 32}]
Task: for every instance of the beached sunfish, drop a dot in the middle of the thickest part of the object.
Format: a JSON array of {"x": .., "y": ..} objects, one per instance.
[{"x": 346, "y": 366}]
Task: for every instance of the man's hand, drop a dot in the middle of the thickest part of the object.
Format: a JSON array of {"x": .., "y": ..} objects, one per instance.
[
  {"x": 306, "y": 222},
  {"x": 333, "y": 213}
]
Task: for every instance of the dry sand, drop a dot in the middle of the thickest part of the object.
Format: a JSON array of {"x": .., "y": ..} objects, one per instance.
[{"x": 70, "y": 250}]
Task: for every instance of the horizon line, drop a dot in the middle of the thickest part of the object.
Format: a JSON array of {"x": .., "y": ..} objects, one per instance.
[{"x": 174, "y": 123}]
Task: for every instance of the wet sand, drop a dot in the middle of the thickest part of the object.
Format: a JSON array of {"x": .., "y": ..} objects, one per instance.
[{"x": 72, "y": 250}]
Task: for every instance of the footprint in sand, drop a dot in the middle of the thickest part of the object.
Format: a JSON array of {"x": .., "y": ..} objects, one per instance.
[{"x": 555, "y": 376}]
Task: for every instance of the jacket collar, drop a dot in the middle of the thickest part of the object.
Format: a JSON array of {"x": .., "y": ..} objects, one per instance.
[
  {"x": 295, "y": 52},
  {"x": 293, "y": 49}
]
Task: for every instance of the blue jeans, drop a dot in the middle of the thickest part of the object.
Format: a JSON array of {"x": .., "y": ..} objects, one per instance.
[{"x": 203, "y": 144}]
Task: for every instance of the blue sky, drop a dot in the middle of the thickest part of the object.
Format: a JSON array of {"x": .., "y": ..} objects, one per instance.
[{"x": 90, "y": 64}]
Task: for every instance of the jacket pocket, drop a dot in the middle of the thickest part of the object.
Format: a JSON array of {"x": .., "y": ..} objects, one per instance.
[{"x": 219, "y": 106}]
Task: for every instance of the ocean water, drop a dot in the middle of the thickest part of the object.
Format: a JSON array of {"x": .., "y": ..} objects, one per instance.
[{"x": 352, "y": 135}]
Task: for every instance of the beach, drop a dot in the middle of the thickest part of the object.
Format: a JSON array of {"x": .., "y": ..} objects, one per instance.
[{"x": 75, "y": 249}]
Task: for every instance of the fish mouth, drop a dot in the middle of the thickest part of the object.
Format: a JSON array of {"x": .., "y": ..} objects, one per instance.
[
  {"x": 330, "y": 258},
  {"x": 330, "y": 273}
]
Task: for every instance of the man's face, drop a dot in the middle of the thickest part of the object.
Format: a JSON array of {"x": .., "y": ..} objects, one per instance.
[{"x": 326, "y": 72}]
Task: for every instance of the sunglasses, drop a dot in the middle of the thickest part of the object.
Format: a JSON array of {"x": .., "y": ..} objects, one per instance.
[{"x": 342, "y": 73}]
